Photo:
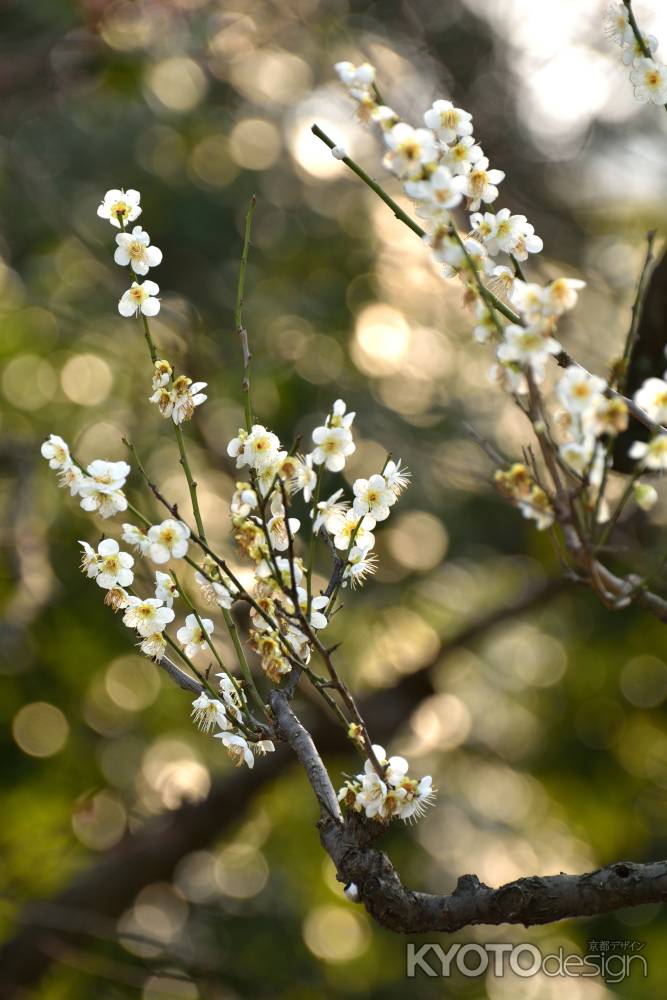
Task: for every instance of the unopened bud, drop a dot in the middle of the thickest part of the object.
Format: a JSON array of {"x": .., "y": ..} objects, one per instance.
[
  {"x": 646, "y": 495},
  {"x": 351, "y": 892}
]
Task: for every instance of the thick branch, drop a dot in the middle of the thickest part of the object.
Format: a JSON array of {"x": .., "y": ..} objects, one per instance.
[
  {"x": 533, "y": 899},
  {"x": 151, "y": 854}
]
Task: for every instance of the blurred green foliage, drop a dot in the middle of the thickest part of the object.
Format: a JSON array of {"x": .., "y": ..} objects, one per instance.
[{"x": 547, "y": 739}]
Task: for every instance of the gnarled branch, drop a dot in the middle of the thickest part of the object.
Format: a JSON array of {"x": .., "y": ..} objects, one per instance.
[{"x": 533, "y": 899}]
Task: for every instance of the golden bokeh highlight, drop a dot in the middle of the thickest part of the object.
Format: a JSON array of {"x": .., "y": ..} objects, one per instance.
[
  {"x": 178, "y": 83},
  {"x": 86, "y": 379},
  {"x": 255, "y": 143},
  {"x": 29, "y": 382},
  {"x": 40, "y": 729},
  {"x": 99, "y": 821},
  {"x": 132, "y": 682},
  {"x": 334, "y": 934},
  {"x": 381, "y": 340},
  {"x": 241, "y": 871},
  {"x": 418, "y": 541}
]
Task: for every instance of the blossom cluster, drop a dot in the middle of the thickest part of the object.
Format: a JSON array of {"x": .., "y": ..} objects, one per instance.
[
  {"x": 442, "y": 164},
  {"x": 395, "y": 794},
  {"x": 647, "y": 74},
  {"x": 100, "y": 487},
  {"x": 286, "y": 614},
  {"x": 175, "y": 396}
]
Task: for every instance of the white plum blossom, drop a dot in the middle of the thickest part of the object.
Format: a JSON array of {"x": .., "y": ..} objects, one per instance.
[
  {"x": 187, "y": 396},
  {"x": 106, "y": 504},
  {"x": 209, "y": 713},
  {"x": 153, "y": 645},
  {"x": 578, "y": 391},
  {"x": 649, "y": 79},
  {"x": 462, "y": 255},
  {"x": 317, "y": 619},
  {"x": 72, "y": 478},
  {"x": 258, "y": 449},
  {"x": 462, "y": 156},
  {"x": 328, "y": 512},
  {"x": 214, "y": 592},
  {"x": 440, "y": 191},
  {"x": 168, "y": 540},
  {"x": 340, "y": 417},
  {"x": 409, "y": 149},
  {"x": 353, "y": 529},
  {"x": 372, "y": 794},
  {"x": 101, "y": 491},
  {"x": 561, "y": 296},
  {"x": 118, "y": 204},
  {"x": 617, "y": 24},
  {"x": 277, "y": 526},
  {"x": 373, "y": 496},
  {"x": 180, "y": 400},
  {"x": 136, "y": 537},
  {"x": 505, "y": 232},
  {"x": 244, "y": 500},
  {"x": 482, "y": 183},
  {"x": 397, "y": 476},
  {"x": 632, "y": 50},
  {"x": 56, "y": 451},
  {"x": 107, "y": 477},
  {"x": 147, "y": 616},
  {"x": 238, "y": 749},
  {"x": 357, "y": 79},
  {"x": 165, "y": 588},
  {"x": 360, "y": 564},
  {"x": 114, "y": 568},
  {"x": 140, "y": 298},
  {"x": 305, "y": 478},
  {"x": 90, "y": 560},
  {"x": 134, "y": 249},
  {"x": 485, "y": 323},
  {"x": 193, "y": 636},
  {"x": 527, "y": 241},
  {"x": 651, "y": 454},
  {"x": 652, "y": 398},
  {"x": 332, "y": 446},
  {"x": 447, "y": 121},
  {"x": 395, "y": 794},
  {"x": 578, "y": 454},
  {"x": 527, "y": 345}
]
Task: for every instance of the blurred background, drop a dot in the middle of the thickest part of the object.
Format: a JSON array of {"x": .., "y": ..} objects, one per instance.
[{"x": 169, "y": 874}]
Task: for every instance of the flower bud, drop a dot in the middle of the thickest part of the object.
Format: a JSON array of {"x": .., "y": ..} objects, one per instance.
[{"x": 646, "y": 496}]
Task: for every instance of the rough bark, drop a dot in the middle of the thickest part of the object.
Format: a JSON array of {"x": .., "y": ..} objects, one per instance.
[{"x": 533, "y": 899}]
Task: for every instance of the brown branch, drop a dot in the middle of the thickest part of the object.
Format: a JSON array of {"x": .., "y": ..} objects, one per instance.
[
  {"x": 109, "y": 886},
  {"x": 179, "y": 677},
  {"x": 533, "y": 899}
]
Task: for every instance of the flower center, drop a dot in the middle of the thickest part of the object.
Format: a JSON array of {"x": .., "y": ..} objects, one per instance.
[{"x": 136, "y": 250}]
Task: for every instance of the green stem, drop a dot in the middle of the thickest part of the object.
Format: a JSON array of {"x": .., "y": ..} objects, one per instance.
[
  {"x": 637, "y": 310},
  {"x": 608, "y": 528},
  {"x": 238, "y": 314},
  {"x": 403, "y": 216},
  {"x": 149, "y": 340},
  {"x": 311, "y": 541},
  {"x": 484, "y": 292},
  {"x": 192, "y": 485},
  {"x": 243, "y": 662},
  {"x": 518, "y": 270}
]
